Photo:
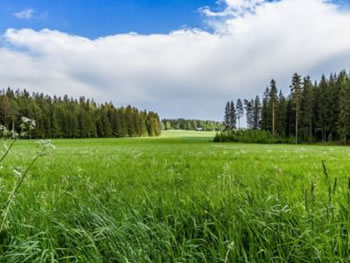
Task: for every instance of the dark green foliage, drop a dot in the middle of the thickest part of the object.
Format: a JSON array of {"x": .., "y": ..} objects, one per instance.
[
  {"x": 233, "y": 116},
  {"x": 227, "y": 117},
  {"x": 239, "y": 111},
  {"x": 249, "y": 109},
  {"x": 256, "y": 113},
  {"x": 248, "y": 136},
  {"x": 313, "y": 112},
  {"x": 192, "y": 125},
  {"x": 230, "y": 118},
  {"x": 70, "y": 118},
  {"x": 273, "y": 100}
]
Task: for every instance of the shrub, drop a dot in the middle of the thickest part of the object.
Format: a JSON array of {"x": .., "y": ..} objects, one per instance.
[{"x": 249, "y": 136}]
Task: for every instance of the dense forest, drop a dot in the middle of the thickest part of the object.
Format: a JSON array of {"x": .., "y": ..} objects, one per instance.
[
  {"x": 193, "y": 125},
  {"x": 66, "y": 117},
  {"x": 312, "y": 112}
]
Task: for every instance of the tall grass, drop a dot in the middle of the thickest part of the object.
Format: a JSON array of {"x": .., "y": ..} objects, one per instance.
[{"x": 168, "y": 200}]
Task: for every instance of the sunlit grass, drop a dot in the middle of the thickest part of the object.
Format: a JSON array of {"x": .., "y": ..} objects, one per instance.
[{"x": 178, "y": 198}]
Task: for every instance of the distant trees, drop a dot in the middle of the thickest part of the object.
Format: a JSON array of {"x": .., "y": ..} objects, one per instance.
[
  {"x": 183, "y": 124},
  {"x": 311, "y": 112},
  {"x": 58, "y": 117}
]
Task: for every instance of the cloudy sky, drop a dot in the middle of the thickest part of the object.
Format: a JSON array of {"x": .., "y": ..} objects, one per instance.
[{"x": 181, "y": 58}]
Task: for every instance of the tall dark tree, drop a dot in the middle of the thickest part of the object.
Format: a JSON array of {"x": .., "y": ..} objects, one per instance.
[
  {"x": 296, "y": 101},
  {"x": 239, "y": 111},
  {"x": 265, "y": 112},
  {"x": 256, "y": 113},
  {"x": 306, "y": 107},
  {"x": 273, "y": 103},
  {"x": 227, "y": 116},
  {"x": 249, "y": 109},
  {"x": 233, "y": 117},
  {"x": 281, "y": 115},
  {"x": 344, "y": 107}
]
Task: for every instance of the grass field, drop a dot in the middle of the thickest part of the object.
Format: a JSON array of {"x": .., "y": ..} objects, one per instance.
[{"x": 178, "y": 198}]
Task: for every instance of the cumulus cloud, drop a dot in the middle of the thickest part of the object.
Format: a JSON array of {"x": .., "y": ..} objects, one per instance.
[
  {"x": 186, "y": 73},
  {"x": 25, "y": 14},
  {"x": 233, "y": 8}
]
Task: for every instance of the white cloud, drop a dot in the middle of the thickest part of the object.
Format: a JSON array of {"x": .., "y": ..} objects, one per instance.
[
  {"x": 187, "y": 73},
  {"x": 25, "y": 14},
  {"x": 233, "y": 8}
]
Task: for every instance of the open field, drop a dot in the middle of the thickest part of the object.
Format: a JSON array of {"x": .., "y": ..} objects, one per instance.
[{"x": 178, "y": 198}]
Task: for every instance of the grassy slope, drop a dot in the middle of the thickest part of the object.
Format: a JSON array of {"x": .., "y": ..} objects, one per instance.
[{"x": 178, "y": 198}]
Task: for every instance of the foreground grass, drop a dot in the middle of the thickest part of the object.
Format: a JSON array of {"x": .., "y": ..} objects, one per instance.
[{"x": 178, "y": 198}]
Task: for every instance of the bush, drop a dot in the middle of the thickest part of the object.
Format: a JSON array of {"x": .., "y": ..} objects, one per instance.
[{"x": 249, "y": 136}]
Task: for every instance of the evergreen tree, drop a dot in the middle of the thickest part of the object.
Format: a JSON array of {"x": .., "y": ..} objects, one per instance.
[
  {"x": 273, "y": 102},
  {"x": 233, "y": 117},
  {"x": 256, "y": 113},
  {"x": 307, "y": 102},
  {"x": 344, "y": 107},
  {"x": 296, "y": 99},
  {"x": 265, "y": 113},
  {"x": 249, "y": 109},
  {"x": 323, "y": 104},
  {"x": 239, "y": 111},
  {"x": 58, "y": 117},
  {"x": 312, "y": 112},
  {"x": 281, "y": 115},
  {"x": 227, "y": 116}
]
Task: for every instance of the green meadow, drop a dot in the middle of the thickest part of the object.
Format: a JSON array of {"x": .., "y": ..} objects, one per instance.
[{"x": 177, "y": 198}]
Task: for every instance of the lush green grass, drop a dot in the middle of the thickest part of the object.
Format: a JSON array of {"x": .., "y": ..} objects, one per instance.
[{"x": 178, "y": 198}]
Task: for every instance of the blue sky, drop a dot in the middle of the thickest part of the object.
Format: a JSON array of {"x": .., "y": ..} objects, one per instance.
[
  {"x": 82, "y": 48},
  {"x": 93, "y": 18}
]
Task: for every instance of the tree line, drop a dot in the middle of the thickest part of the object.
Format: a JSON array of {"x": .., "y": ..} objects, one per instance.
[
  {"x": 183, "y": 124},
  {"x": 64, "y": 117},
  {"x": 313, "y": 111}
]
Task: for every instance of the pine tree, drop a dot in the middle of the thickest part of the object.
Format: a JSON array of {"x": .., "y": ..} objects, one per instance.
[
  {"x": 273, "y": 102},
  {"x": 58, "y": 117},
  {"x": 307, "y": 102},
  {"x": 256, "y": 113},
  {"x": 296, "y": 98},
  {"x": 265, "y": 113},
  {"x": 239, "y": 111},
  {"x": 323, "y": 107},
  {"x": 227, "y": 116},
  {"x": 281, "y": 115},
  {"x": 249, "y": 106},
  {"x": 344, "y": 106},
  {"x": 233, "y": 117}
]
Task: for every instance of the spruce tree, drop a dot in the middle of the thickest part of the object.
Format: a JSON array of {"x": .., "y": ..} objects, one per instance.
[
  {"x": 344, "y": 106},
  {"x": 265, "y": 113},
  {"x": 249, "y": 106},
  {"x": 233, "y": 117},
  {"x": 281, "y": 115},
  {"x": 239, "y": 111},
  {"x": 307, "y": 102},
  {"x": 296, "y": 99},
  {"x": 256, "y": 113},
  {"x": 227, "y": 116},
  {"x": 273, "y": 102}
]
